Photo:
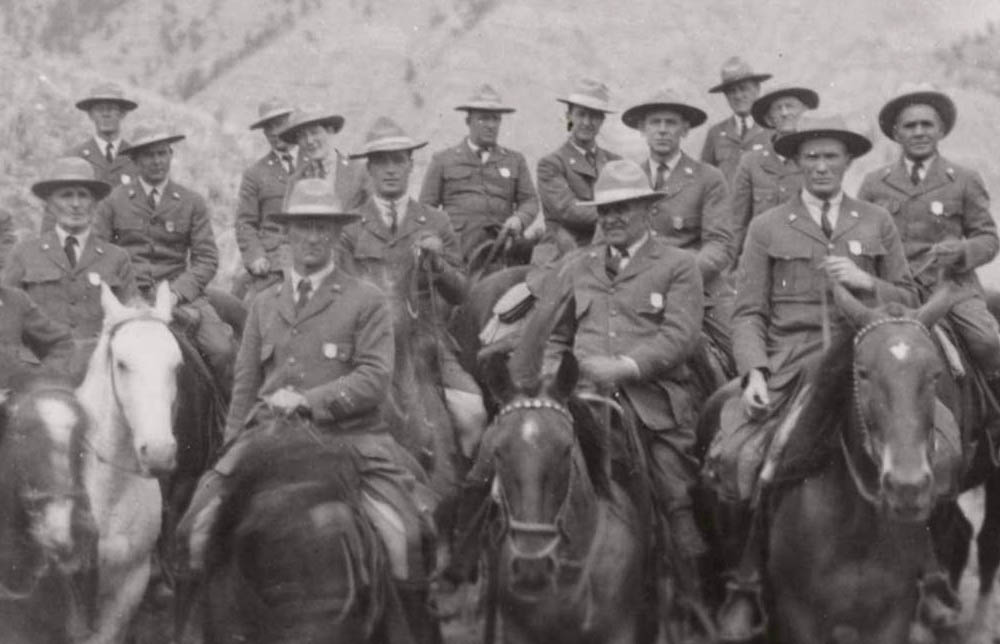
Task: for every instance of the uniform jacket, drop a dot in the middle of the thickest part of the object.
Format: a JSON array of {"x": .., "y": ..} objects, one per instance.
[
  {"x": 337, "y": 351},
  {"x": 175, "y": 242},
  {"x": 26, "y": 332},
  {"x": 566, "y": 178},
  {"x": 476, "y": 194},
  {"x": 262, "y": 193},
  {"x": 950, "y": 203},
  {"x": 350, "y": 181},
  {"x": 373, "y": 254},
  {"x": 7, "y": 236},
  {"x": 694, "y": 215},
  {"x": 780, "y": 287},
  {"x": 651, "y": 312},
  {"x": 762, "y": 181},
  {"x": 120, "y": 172},
  {"x": 724, "y": 147},
  {"x": 39, "y": 266}
]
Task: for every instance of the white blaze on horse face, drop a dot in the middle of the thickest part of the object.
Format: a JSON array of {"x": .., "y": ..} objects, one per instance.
[
  {"x": 530, "y": 431},
  {"x": 54, "y": 530},
  {"x": 900, "y": 351},
  {"x": 145, "y": 360}
]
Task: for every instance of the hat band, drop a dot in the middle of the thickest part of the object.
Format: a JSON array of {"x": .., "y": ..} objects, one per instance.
[
  {"x": 622, "y": 194},
  {"x": 587, "y": 101},
  {"x": 314, "y": 209},
  {"x": 391, "y": 143}
]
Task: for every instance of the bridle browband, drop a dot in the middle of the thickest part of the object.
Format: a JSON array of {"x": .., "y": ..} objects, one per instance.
[
  {"x": 870, "y": 449},
  {"x": 529, "y": 404}
]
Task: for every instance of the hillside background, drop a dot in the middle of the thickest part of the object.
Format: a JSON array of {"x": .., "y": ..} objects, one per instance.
[{"x": 205, "y": 64}]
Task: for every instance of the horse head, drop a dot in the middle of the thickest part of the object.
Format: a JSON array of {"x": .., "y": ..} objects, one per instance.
[
  {"x": 896, "y": 367},
  {"x": 538, "y": 467},
  {"x": 41, "y": 472},
  {"x": 131, "y": 385}
]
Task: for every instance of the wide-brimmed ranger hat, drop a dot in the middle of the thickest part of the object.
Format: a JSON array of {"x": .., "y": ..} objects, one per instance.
[
  {"x": 664, "y": 100},
  {"x": 822, "y": 127},
  {"x": 106, "y": 93},
  {"x": 762, "y": 105},
  {"x": 149, "y": 134},
  {"x": 314, "y": 199},
  {"x": 913, "y": 94},
  {"x": 305, "y": 117},
  {"x": 271, "y": 109},
  {"x": 386, "y": 136},
  {"x": 736, "y": 70},
  {"x": 621, "y": 180},
  {"x": 591, "y": 94},
  {"x": 71, "y": 171},
  {"x": 485, "y": 99}
]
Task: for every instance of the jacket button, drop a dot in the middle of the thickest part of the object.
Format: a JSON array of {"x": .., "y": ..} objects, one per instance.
[
  {"x": 291, "y": 360},
  {"x": 612, "y": 334},
  {"x": 612, "y": 312}
]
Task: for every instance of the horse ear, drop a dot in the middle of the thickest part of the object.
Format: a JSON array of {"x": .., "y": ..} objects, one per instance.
[
  {"x": 163, "y": 307},
  {"x": 109, "y": 303},
  {"x": 852, "y": 308},
  {"x": 564, "y": 383},
  {"x": 945, "y": 296},
  {"x": 496, "y": 377}
]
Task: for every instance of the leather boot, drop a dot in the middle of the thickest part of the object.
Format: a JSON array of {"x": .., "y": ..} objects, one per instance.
[
  {"x": 469, "y": 523},
  {"x": 414, "y": 598},
  {"x": 742, "y": 617}
]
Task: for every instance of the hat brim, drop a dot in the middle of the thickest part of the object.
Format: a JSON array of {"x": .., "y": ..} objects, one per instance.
[
  {"x": 87, "y": 103},
  {"x": 485, "y": 107},
  {"x": 270, "y": 116},
  {"x": 722, "y": 87},
  {"x": 624, "y": 194},
  {"x": 43, "y": 189},
  {"x": 135, "y": 148},
  {"x": 633, "y": 116},
  {"x": 788, "y": 145},
  {"x": 388, "y": 146},
  {"x": 942, "y": 103},
  {"x": 762, "y": 105},
  {"x": 318, "y": 213},
  {"x": 291, "y": 132},
  {"x": 586, "y": 103}
]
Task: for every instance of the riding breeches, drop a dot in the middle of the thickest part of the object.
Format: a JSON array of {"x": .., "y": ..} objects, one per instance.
[
  {"x": 213, "y": 337},
  {"x": 978, "y": 328}
]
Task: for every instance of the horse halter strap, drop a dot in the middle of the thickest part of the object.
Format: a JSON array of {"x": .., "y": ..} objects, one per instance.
[{"x": 868, "y": 441}]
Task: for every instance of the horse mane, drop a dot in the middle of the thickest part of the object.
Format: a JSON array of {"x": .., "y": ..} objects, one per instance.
[
  {"x": 814, "y": 441},
  {"x": 589, "y": 436}
]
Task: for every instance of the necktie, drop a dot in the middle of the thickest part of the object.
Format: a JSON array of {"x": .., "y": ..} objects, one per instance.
[
  {"x": 613, "y": 262},
  {"x": 393, "y": 218},
  {"x": 70, "y": 248},
  {"x": 484, "y": 155},
  {"x": 744, "y": 126},
  {"x": 304, "y": 289},
  {"x": 661, "y": 176},
  {"x": 289, "y": 162},
  {"x": 824, "y": 219},
  {"x": 591, "y": 157},
  {"x": 153, "y": 198},
  {"x": 915, "y": 172},
  {"x": 109, "y": 152}
]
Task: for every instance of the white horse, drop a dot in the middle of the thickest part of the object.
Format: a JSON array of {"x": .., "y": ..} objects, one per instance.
[{"x": 128, "y": 391}]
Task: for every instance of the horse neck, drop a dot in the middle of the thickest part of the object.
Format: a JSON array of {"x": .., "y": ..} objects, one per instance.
[
  {"x": 582, "y": 503},
  {"x": 19, "y": 558}
]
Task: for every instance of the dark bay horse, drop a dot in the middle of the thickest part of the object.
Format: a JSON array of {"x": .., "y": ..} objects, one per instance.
[
  {"x": 48, "y": 540},
  {"x": 292, "y": 557},
  {"x": 848, "y": 514}
]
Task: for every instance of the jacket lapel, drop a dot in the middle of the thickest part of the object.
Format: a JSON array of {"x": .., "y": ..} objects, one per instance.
[
  {"x": 372, "y": 220},
  {"x": 55, "y": 252},
  {"x": 802, "y": 221},
  {"x": 89, "y": 253},
  {"x": 679, "y": 177},
  {"x": 847, "y": 219},
  {"x": 899, "y": 179},
  {"x": 596, "y": 257},
  {"x": 731, "y": 129},
  {"x": 773, "y": 164},
  {"x": 646, "y": 253},
  {"x": 286, "y": 299},
  {"x": 322, "y": 298},
  {"x": 415, "y": 219},
  {"x": 577, "y": 161},
  {"x": 935, "y": 177}
]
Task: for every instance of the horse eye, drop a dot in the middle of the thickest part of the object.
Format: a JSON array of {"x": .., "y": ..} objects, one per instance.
[
  {"x": 862, "y": 373},
  {"x": 121, "y": 365}
]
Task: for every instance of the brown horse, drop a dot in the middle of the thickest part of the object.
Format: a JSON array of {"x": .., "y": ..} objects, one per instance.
[{"x": 848, "y": 517}]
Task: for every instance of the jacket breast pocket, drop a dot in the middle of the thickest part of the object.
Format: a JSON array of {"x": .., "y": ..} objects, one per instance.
[
  {"x": 337, "y": 349},
  {"x": 457, "y": 172},
  {"x": 867, "y": 254},
  {"x": 41, "y": 275},
  {"x": 793, "y": 269},
  {"x": 175, "y": 227}
]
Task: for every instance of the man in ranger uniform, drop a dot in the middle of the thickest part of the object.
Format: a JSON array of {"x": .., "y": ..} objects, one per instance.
[
  {"x": 942, "y": 211},
  {"x": 107, "y": 106},
  {"x": 166, "y": 230},
  {"x": 62, "y": 270},
  {"x": 485, "y": 188},
  {"x": 567, "y": 176},
  {"x": 262, "y": 192},
  {"x": 727, "y": 140},
  {"x": 388, "y": 246},
  {"x": 765, "y": 178},
  {"x": 693, "y": 213}
]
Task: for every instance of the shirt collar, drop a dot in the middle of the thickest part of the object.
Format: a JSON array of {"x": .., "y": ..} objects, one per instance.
[
  {"x": 582, "y": 150},
  {"x": 383, "y": 208},
  {"x": 161, "y": 187},
  {"x": 632, "y": 248},
  {"x": 80, "y": 237},
  {"x": 815, "y": 206},
  {"x": 923, "y": 169},
  {"x": 102, "y": 145},
  {"x": 671, "y": 163},
  {"x": 316, "y": 278}
]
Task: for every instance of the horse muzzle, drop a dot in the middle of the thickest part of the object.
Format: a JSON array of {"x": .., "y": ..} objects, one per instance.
[
  {"x": 157, "y": 459},
  {"x": 908, "y": 498}
]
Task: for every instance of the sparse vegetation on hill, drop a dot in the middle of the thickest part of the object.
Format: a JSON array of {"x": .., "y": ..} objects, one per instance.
[{"x": 974, "y": 60}]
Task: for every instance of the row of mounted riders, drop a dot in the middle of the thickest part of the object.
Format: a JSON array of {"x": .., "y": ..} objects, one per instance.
[{"x": 293, "y": 559}]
